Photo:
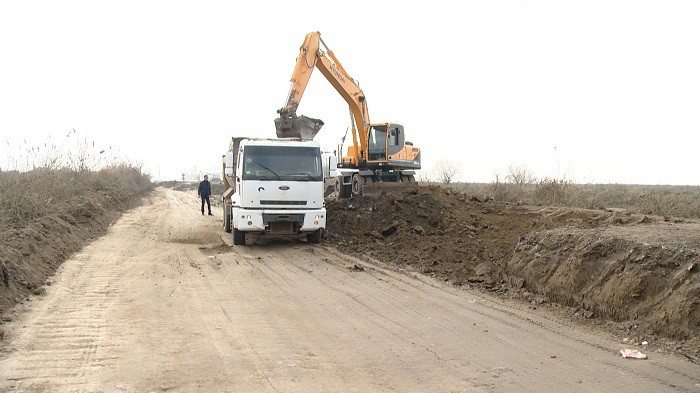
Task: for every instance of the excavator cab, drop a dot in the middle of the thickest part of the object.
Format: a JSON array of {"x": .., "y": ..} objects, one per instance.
[{"x": 387, "y": 142}]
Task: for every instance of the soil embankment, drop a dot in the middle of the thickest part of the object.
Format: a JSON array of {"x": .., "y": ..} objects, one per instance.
[
  {"x": 626, "y": 267},
  {"x": 69, "y": 210}
]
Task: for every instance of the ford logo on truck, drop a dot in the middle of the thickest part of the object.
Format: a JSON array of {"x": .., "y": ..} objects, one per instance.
[{"x": 284, "y": 188}]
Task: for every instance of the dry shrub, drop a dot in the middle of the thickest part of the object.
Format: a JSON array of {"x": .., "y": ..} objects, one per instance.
[
  {"x": 26, "y": 196},
  {"x": 502, "y": 191},
  {"x": 446, "y": 170},
  {"x": 514, "y": 188},
  {"x": 520, "y": 175},
  {"x": 550, "y": 191}
]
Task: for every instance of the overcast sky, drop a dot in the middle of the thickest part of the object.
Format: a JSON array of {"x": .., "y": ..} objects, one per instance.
[{"x": 593, "y": 91}]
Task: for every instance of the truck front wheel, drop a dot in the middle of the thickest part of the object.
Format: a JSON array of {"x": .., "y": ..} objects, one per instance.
[
  {"x": 238, "y": 237},
  {"x": 314, "y": 237},
  {"x": 227, "y": 220}
]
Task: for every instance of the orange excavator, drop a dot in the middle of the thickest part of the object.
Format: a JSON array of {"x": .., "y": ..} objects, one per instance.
[{"x": 379, "y": 154}]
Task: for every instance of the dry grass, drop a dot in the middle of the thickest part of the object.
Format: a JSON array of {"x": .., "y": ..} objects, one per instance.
[
  {"x": 61, "y": 175},
  {"x": 26, "y": 196}
]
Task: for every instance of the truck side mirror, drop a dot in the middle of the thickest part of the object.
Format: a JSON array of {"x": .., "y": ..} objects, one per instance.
[{"x": 229, "y": 161}]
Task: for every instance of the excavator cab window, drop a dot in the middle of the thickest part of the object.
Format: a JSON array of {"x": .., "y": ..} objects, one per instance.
[
  {"x": 396, "y": 140},
  {"x": 393, "y": 136},
  {"x": 376, "y": 145}
]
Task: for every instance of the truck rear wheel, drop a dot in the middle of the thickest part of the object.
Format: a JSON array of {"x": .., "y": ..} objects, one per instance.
[
  {"x": 238, "y": 237},
  {"x": 314, "y": 237}
]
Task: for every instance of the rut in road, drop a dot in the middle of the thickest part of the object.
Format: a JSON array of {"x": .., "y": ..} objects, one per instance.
[{"x": 160, "y": 303}]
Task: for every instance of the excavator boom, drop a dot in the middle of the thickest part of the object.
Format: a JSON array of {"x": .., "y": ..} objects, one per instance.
[
  {"x": 312, "y": 55},
  {"x": 379, "y": 152}
]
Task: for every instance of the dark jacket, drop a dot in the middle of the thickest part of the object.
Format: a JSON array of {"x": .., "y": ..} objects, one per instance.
[{"x": 204, "y": 188}]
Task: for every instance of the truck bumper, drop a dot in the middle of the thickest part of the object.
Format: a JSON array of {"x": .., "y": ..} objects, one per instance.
[{"x": 259, "y": 220}]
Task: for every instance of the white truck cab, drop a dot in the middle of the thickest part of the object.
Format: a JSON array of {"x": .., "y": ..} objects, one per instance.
[{"x": 274, "y": 186}]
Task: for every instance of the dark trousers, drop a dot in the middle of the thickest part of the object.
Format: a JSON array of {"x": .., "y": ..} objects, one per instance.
[{"x": 206, "y": 198}]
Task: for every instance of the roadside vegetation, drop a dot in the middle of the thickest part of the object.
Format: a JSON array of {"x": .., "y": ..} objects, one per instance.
[{"x": 52, "y": 201}]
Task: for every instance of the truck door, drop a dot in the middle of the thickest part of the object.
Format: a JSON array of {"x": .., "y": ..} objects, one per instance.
[
  {"x": 376, "y": 144},
  {"x": 395, "y": 140}
]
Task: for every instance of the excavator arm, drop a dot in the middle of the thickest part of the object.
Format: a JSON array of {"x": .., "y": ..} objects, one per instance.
[{"x": 311, "y": 56}]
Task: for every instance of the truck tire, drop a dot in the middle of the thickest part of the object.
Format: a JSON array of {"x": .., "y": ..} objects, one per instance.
[
  {"x": 227, "y": 217},
  {"x": 238, "y": 237},
  {"x": 343, "y": 190},
  {"x": 314, "y": 237},
  {"x": 227, "y": 222}
]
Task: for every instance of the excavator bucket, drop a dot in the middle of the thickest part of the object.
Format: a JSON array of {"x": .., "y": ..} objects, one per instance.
[
  {"x": 302, "y": 127},
  {"x": 377, "y": 188}
]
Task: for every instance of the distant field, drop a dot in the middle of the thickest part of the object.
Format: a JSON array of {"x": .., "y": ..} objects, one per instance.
[{"x": 670, "y": 201}]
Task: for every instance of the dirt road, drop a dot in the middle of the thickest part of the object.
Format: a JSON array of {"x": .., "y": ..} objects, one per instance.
[{"x": 162, "y": 304}]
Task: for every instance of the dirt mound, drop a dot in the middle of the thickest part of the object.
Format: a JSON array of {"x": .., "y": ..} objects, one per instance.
[{"x": 451, "y": 236}]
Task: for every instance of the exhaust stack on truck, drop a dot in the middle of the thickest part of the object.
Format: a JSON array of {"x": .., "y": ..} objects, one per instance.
[{"x": 273, "y": 187}]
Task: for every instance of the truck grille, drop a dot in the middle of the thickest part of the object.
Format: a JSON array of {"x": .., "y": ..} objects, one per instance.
[{"x": 294, "y": 203}]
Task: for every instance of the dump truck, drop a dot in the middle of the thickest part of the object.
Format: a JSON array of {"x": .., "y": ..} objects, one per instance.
[
  {"x": 380, "y": 152},
  {"x": 273, "y": 187}
]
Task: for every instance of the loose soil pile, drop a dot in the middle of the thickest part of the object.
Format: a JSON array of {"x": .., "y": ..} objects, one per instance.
[
  {"x": 33, "y": 246},
  {"x": 612, "y": 264}
]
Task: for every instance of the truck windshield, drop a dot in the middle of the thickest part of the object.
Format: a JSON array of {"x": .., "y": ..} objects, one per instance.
[{"x": 282, "y": 163}]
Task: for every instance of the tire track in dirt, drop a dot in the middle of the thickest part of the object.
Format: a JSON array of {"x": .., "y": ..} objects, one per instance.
[
  {"x": 516, "y": 324},
  {"x": 71, "y": 342}
]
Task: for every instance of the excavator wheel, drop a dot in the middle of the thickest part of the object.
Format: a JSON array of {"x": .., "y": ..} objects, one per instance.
[
  {"x": 342, "y": 190},
  {"x": 358, "y": 183}
]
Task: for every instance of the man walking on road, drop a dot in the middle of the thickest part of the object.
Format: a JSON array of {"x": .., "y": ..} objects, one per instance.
[{"x": 204, "y": 191}]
